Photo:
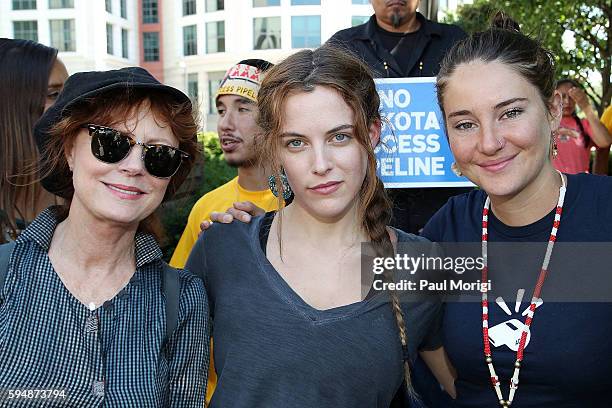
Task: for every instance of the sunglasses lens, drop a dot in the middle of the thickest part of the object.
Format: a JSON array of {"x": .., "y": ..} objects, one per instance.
[
  {"x": 109, "y": 146},
  {"x": 162, "y": 161}
]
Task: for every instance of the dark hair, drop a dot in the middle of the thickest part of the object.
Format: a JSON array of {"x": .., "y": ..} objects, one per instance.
[
  {"x": 117, "y": 106},
  {"x": 340, "y": 71},
  {"x": 25, "y": 67},
  {"x": 573, "y": 82},
  {"x": 263, "y": 65},
  {"x": 502, "y": 42},
  {"x": 570, "y": 81}
]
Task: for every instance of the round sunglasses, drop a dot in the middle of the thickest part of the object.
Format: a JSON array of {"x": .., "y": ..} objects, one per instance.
[{"x": 111, "y": 146}]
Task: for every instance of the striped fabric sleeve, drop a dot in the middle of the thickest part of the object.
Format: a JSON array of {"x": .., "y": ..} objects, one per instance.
[{"x": 189, "y": 346}]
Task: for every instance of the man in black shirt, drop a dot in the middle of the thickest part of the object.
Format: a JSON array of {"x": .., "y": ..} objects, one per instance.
[{"x": 399, "y": 42}]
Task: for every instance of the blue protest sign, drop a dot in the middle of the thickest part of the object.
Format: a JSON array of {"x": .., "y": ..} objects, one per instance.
[{"x": 413, "y": 151}]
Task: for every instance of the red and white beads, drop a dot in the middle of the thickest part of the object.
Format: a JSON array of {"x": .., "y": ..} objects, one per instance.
[{"x": 514, "y": 381}]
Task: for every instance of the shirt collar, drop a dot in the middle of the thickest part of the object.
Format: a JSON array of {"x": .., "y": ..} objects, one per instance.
[
  {"x": 42, "y": 228},
  {"x": 147, "y": 249}
]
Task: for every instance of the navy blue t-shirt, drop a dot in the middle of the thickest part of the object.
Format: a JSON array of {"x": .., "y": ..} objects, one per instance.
[{"x": 568, "y": 361}]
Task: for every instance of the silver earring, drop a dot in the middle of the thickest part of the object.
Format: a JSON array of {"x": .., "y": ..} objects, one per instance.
[
  {"x": 554, "y": 147},
  {"x": 455, "y": 169}
]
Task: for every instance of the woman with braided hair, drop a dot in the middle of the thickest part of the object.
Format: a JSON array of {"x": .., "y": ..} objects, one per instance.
[
  {"x": 295, "y": 322},
  {"x": 496, "y": 90}
]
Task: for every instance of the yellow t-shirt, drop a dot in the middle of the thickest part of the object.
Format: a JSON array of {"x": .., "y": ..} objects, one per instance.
[
  {"x": 220, "y": 199},
  {"x": 606, "y": 119}
]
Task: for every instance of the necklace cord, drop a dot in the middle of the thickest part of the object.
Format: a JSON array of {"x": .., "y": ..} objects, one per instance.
[{"x": 534, "y": 298}]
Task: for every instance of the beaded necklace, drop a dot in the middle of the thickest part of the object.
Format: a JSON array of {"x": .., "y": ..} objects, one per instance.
[{"x": 534, "y": 298}]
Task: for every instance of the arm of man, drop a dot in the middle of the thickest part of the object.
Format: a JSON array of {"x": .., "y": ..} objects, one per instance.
[
  {"x": 441, "y": 367},
  {"x": 242, "y": 211}
]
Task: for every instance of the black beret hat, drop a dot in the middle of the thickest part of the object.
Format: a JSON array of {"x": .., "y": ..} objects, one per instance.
[{"x": 82, "y": 86}]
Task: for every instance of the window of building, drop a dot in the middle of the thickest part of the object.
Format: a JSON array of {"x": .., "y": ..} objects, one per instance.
[
  {"x": 305, "y": 2},
  {"x": 266, "y": 3},
  {"x": 305, "y": 31},
  {"x": 358, "y": 20},
  {"x": 26, "y": 30},
  {"x": 150, "y": 45},
  {"x": 214, "y": 80},
  {"x": 266, "y": 33},
  {"x": 124, "y": 43},
  {"x": 190, "y": 40},
  {"x": 109, "y": 39},
  {"x": 215, "y": 37},
  {"x": 24, "y": 4},
  {"x": 215, "y": 5},
  {"x": 150, "y": 11},
  {"x": 361, "y": 1},
  {"x": 62, "y": 35},
  {"x": 192, "y": 87},
  {"x": 58, "y": 4},
  {"x": 123, "y": 8},
  {"x": 189, "y": 7},
  {"x": 109, "y": 6}
]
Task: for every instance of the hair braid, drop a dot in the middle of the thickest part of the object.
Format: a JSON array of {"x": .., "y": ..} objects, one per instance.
[{"x": 375, "y": 220}]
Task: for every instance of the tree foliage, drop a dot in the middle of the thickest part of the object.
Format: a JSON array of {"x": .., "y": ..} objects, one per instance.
[
  {"x": 209, "y": 172},
  {"x": 587, "y": 21}
]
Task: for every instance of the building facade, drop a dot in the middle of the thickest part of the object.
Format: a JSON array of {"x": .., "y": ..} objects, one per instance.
[
  {"x": 90, "y": 34},
  {"x": 208, "y": 36},
  {"x": 188, "y": 44}
]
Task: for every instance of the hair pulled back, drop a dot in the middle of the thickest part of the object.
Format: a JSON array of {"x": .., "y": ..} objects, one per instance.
[{"x": 502, "y": 42}]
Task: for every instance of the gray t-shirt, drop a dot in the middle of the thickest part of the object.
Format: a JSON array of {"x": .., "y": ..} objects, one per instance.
[{"x": 272, "y": 349}]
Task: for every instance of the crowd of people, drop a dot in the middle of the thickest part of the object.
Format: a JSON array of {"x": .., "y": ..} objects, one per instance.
[{"x": 266, "y": 301}]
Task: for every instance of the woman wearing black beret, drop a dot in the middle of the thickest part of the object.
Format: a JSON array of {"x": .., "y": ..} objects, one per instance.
[{"x": 90, "y": 315}]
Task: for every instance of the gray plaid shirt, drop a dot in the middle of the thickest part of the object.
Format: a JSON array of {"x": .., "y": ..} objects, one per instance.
[{"x": 54, "y": 351}]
